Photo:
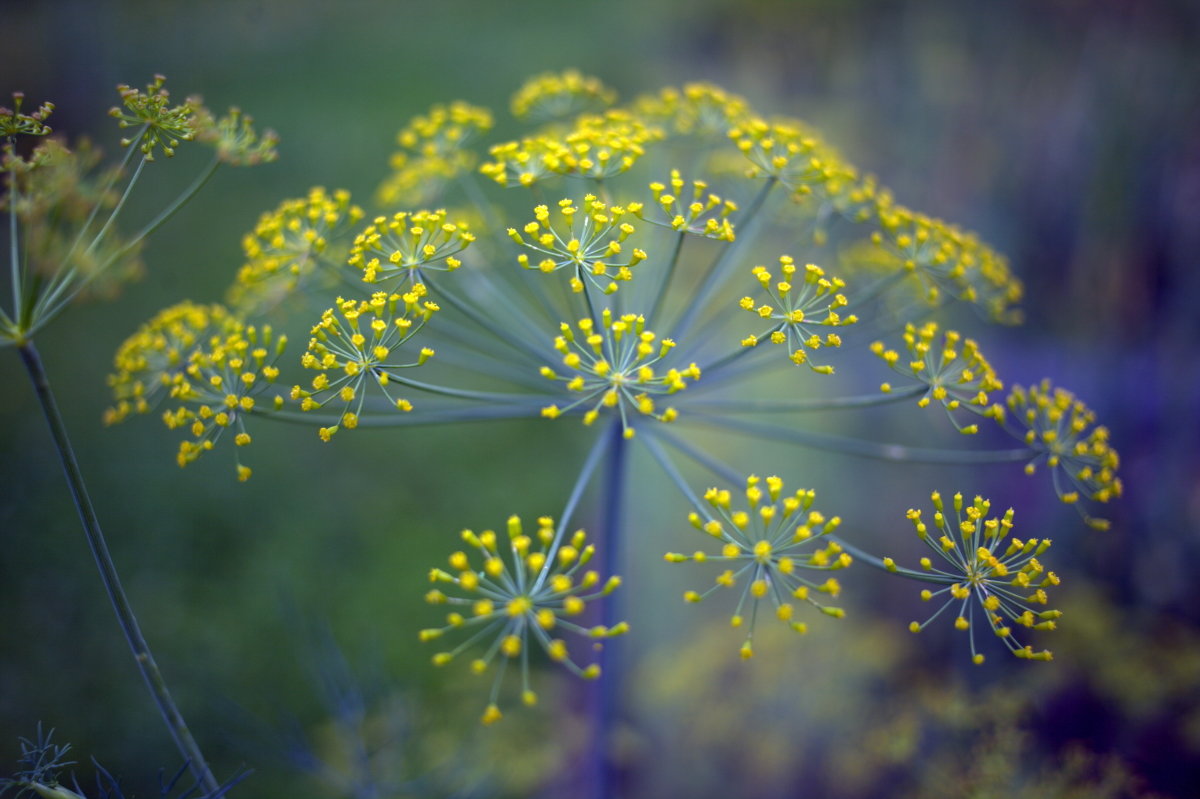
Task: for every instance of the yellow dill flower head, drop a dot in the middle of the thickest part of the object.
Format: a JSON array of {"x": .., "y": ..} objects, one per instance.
[
  {"x": 946, "y": 259},
  {"x": 555, "y": 95},
  {"x": 208, "y": 361},
  {"x": 524, "y": 162},
  {"x": 979, "y": 566},
  {"x": 522, "y": 594},
  {"x": 432, "y": 152},
  {"x": 165, "y": 126},
  {"x": 604, "y": 145},
  {"x": 292, "y": 247},
  {"x": 14, "y": 123},
  {"x": 795, "y": 156},
  {"x": 609, "y": 365},
  {"x": 1063, "y": 432},
  {"x": 955, "y": 371},
  {"x": 697, "y": 109},
  {"x": 233, "y": 136},
  {"x": 774, "y": 548},
  {"x": 700, "y": 214},
  {"x": 360, "y": 343},
  {"x": 587, "y": 239},
  {"x": 800, "y": 304},
  {"x": 405, "y": 245}
]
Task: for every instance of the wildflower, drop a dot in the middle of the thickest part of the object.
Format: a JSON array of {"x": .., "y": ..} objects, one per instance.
[
  {"x": 957, "y": 374},
  {"x": 359, "y": 339},
  {"x": 705, "y": 214},
  {"x": 164, "y": 126},
  {"x": 14, "y": 123},
  {"x": 236, "y": 141},
  {"x": 407, "y": 244},
  {"x": 799, "y": 307},
  {"x": 585, "y": 243},
  {"x": 289, "y": 248},
  {"x": 210, "y": 362},
  {"x": 432, "y": 152},
  {"x": 554, "y": 95},
  {"x": 786, "y": 152},
  {"x": 611, "y": 365},
  {"x": 1007, "y": 584},
  {"x": 1063, "y": 433},
  {"x": 520, "y": 600},
  {"x": 697, "y": 109},
  {"x": 769, "y": 546}
]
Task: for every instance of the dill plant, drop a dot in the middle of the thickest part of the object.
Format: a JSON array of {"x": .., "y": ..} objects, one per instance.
[{"x": 675, "y": 264}]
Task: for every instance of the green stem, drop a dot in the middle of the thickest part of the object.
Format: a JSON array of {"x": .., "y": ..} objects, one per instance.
[
  {"x": 112, "y": 582},
  {"x": 14, "y": 250},
  {"x": 462, "y": 393},
  {"x": 830, "y": 404},
  {"x": 487, "y": 413},
  {"x": 859, "y": 447},
  {"x": 661, "y": 294}
]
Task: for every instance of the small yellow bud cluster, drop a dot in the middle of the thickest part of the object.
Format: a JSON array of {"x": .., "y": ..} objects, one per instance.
[
  {"x": 705, "y": 214},
  {"x": 696, "y": 109},
  {"x": 957, "y": 374},
  {"x": 14, "y": 123},
  {"x": 556, "y": 95},
  {"x": 1006, "y": 580},
  {"x": 1064, "y": 433},
  {"x": 405, "y": 245},
  {"x": 946, "y": 259},
  {"x": 357, "y": 341},
  {"x": 432, "y": 152},
  {"x": 165, "y": 126},
  {"x": 588, "y": 243},
  {"x": 528, "y": 591},
  {"x": 770, "y": 546},
  {"x": 233, "y": 136},
  {"x": 611, "y": 366},
  {"x": 210, "y": 362},
  {"x": 289, "y": 245},
  {"x": 787, "y": 151},
  {"x": 800, "y": 304}
]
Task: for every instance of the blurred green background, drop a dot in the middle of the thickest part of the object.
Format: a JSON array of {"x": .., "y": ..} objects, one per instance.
[{"x": 1066, "y": 133}]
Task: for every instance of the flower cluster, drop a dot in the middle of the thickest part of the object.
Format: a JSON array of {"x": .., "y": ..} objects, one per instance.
[
  {"x": 357, "y": 342},
  {"x": 771, "y": 546},
  {"x": 705, "y": 214},
  {"x": 432, "y": 152},
  {"x": 520, "y": 596},
  {"x": 402, "y": 247},
  {"x": 975, "y": 567},
  {"x": 800, "y": 305},
  {"x": 164, "y": 125},
  {"x": 584, "y": 243},
  {"x": 555, "y": 95},
  {"x": 14, "y": 123},
  {"x": 210, "y": 362},
  {"x": 956, "y": 374},
  {"x": 611, "y": 365},
  {"x": 289, "y": 248},
  {"x": 234, "y": 137}
]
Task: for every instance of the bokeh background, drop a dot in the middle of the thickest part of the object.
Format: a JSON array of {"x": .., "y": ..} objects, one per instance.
[{"x": 284, "y": 611}]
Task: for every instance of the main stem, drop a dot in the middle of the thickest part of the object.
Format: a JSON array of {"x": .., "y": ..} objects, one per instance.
[
  {"x": 609, "y": 686},
  {"x": 112, "y": 582}
]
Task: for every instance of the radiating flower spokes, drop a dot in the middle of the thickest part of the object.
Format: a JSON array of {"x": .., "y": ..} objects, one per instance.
[
  {"x": 975, "y": 567},
  {"x": 521, "y": 595},
  {"x": 957, "y": 374},
  {"x": 357, "y": 342},
  {"x": 800, "y": 306},
  {"x": 404, "y": 246},
  {"x": 770, "y": 546},
  {"x": 588, "y": 244},
  {"x": 164, "y": 126},
  {"x": 611, "y": 366},
  {"x": 704, "y": 214}
]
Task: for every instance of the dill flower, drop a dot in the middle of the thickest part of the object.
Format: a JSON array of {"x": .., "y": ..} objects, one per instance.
[
  {"x": 165, "y": 126},
  {"x": 697, "y": 109},
  {"x": 769, "y": 545},
  {"x": 1063, "y": 433},
  {"x": 974, "y": 566},
  {"x": 585, "y": 243},
  {"x": 611, "y": 366},
  {"x": 521, "y": 596},
  {"x": 524, "y": 162},
  {"x": 957, "y": 374},
  {"x": 705, "y": 214},
  {"x": 604, "y": 145},
  {"x": 407, "y": 244},
  {"x": 14, "y": 123},
  {"x": 233, "y": 136},
  {"x": 290, "y": 247},
  {"x": 356, "y": 342},
  {"x": 788, "y": 153},
  {"x": 799, "y": 307},
  {"x": 554, "y": 95},
  {"x": 432, "y": 151},
  {"x": 210, "y": 362}
]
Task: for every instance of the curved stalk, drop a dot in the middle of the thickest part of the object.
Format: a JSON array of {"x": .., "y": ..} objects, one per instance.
[
  {"x": 112, "y": 582},
  {"x": 804, "y": 405}
]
